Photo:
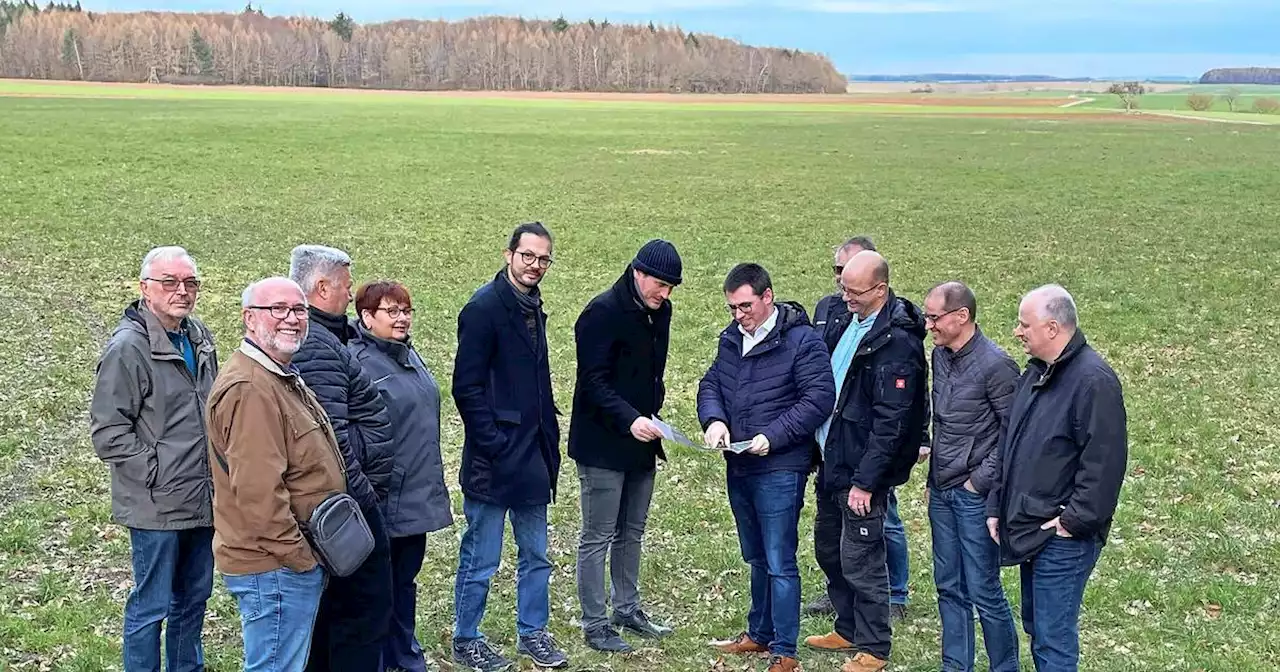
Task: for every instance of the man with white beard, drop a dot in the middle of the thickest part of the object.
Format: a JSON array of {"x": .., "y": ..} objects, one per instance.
[{"x": 277, "y": 459}]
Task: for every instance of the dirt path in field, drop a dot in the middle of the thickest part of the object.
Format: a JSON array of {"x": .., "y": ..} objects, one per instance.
[{"x": 1217, "y": 120}]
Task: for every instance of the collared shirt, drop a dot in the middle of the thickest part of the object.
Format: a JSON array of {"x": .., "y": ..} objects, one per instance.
[
  {"x": 841, "y": 360},
  {"x": 750, "y": 340}
]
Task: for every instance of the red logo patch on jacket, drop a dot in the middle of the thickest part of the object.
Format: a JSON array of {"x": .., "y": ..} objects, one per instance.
[{"x": 900, "y": 383}]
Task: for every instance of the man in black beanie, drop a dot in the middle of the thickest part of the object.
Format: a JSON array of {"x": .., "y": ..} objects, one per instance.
[{"x": 622, "y": 338}]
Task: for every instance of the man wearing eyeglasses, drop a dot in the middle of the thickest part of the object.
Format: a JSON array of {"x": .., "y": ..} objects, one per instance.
[
  {"x": 871, "y": 441},
  {"x": 510, "y": 452},
  {"x": 973, "y": 386},
  {"x": 147, "y": 423},
  {"x": 831, "y": 318},
  {"x": 355, "y": 613},
  {"x": 277, "y": 459},
  {"x": 771, "y": 385}
]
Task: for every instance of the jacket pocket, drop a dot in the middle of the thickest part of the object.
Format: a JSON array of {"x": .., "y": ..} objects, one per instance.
[
  {"x": 140, "y": 471},
  {"x": 393, "y": 497}
]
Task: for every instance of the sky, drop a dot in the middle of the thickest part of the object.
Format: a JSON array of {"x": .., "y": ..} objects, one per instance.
[{"x": 1063, "y": 38}]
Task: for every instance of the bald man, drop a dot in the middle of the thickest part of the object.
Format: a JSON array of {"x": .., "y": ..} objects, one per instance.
[
  {"x": 277, "y": 459},
  {"x": 869, "y": 445},
  {"x": 1064, "y": 460}
]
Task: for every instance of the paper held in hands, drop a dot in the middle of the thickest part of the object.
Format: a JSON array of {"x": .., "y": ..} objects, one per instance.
[{"x": 672, "y": 434}]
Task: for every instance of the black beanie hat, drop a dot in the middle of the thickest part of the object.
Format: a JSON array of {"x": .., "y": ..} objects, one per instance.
[{"x": 659, "y": 259}]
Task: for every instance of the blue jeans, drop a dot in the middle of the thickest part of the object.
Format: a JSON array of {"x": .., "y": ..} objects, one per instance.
[
  {"x": 479, "y": 555},
  {"x": 895, "y": 541},
  {"x": 767, "y": 508},
  {"x": 966, "y": 569},
  {"x": 1052, "y": 588},
  {"x": 277, "y": 613},
  {"x": 172, "y": 580}
]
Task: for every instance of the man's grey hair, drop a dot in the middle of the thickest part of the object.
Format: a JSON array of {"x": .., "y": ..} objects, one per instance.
[
  {"x": 1055, "y": 304},
  {"x": 166, "y": 253},
  {"x": 246, "y": 297},
  {"x": 309, "y": 263},
  {"x": 956, "y": 295},
  {"x": 862, "y": 242}
]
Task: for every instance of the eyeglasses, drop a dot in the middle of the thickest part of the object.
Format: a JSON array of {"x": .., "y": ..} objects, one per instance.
[
  {"x": 395, "y": 312},
  {"x": 192, "y": 285},
  {"x": 746, "y": 307},
  {"x": 281, "y": 311},
  {"x": 935, "y": 318},
  {"x": 529, "y": 258},
  {"x": 859, "y": 292}
]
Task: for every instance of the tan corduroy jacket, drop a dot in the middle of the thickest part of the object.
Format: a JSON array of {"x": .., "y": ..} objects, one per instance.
[{"x": 282, "y": 460}]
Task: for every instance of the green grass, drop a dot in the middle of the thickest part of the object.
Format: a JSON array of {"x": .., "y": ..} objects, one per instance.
[
  {"x": 1162, "y": 230},
  {"x": 1178, "y": 101}
]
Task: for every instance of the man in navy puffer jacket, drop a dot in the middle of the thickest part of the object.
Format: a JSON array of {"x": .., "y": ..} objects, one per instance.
[
  {"x": 770, "y": 385},
  {"x": 355, "y": 610}
]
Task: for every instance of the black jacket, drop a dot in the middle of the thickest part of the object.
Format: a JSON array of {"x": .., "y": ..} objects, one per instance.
[
  {"x": 418, "y": 501},
  {"x": 502, "y": 388},
  {"x": 782, "y": 389},
  {"x": 354, "y": 407},
  {"x": 972, "y": 392},
  {"x": 1065, "y": 454},
  {"x": 883, "y": 405},
  {"x": 622, "y": 355}
]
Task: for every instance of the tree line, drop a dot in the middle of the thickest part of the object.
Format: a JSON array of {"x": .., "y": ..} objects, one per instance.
[
  {"x": 1241, "y": 76},
  {"x": 491, "y": 53}
]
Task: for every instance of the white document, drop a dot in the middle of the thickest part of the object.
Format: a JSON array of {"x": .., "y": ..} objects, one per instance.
[{"x": 672, "y": 434}]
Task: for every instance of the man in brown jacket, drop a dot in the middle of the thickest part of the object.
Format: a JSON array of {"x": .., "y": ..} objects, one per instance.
[{"x": 277, "y": 460}]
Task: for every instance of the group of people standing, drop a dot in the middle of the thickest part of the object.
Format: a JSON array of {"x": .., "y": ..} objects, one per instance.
[{"x": 1024, "y": 468}]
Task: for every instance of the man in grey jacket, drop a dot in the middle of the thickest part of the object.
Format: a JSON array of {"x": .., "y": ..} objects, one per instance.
[
  {"x": 973, "y": 387},
  {"x": 147, "y": 423}
]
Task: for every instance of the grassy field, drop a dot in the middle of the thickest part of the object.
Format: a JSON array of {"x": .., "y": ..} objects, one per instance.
[{"x": 1164, "y": 232}]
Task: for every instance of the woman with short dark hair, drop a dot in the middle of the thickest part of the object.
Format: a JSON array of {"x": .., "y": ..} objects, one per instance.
[{"x": 418, "y": 501}]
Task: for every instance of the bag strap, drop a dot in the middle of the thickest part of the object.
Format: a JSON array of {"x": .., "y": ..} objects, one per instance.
[{"x": 222, "y": 461}]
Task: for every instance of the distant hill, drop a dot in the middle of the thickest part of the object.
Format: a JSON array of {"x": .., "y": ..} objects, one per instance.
[
  {"x": 60, "y": 41},
  {"x": 963, "y": 77},
  {"x": 1241, "y": 76}
]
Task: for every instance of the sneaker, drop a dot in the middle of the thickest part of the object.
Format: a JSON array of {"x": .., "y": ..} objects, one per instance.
[
  {"x": 477, "y": 654},
  {"x": 606, "y": 639},
  {"x": 542, "y": 648},
  {"x": 829, "y": 642},
  {"x": 741, "y": 644},
  {"x": 820, "y": 607},
  {"x": 897, "y": 612},
  {"x": 639, "y": 623},
  {"x": 864, "y": 662},
  {"x": 783, "y": 664}
]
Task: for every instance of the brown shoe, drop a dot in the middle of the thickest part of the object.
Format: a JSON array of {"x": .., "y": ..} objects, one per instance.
[
  {"x": 742, "y": 644},
  {"x": 864, "y": 662},
  {"x": 783, "y": 664},
  {"x": 828, "y": 642}
]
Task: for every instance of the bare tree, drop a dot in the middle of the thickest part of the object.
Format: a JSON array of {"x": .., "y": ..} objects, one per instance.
[
  {"x": 1128, "y": 92},
  {"x": 1232, "y": 96}
]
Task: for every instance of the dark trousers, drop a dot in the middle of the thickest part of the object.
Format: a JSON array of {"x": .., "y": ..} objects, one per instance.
[
  {"x": 828, "y": 527},
  {"x": 355, "y": 611},
  {"x": 402, "y": 650},
  {"x": 1052, "y": 588},
  {"x": 862, "y": 564}
]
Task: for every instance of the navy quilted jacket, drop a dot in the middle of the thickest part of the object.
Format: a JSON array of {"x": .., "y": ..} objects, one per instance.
[
  {"x": 783, "y": 389},
  {"x": 355, "y": 409}
]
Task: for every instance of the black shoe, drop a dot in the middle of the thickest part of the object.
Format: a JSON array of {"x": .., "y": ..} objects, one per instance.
[
  {"x": 897, "y": 612},
  {"x": 820, "y": 607},
  {"x": 639, "y": 623},
  {"x": 542, "y": 649},
  {"x": 478, "y": 655},
  {"x": 605, "y": 638}
]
